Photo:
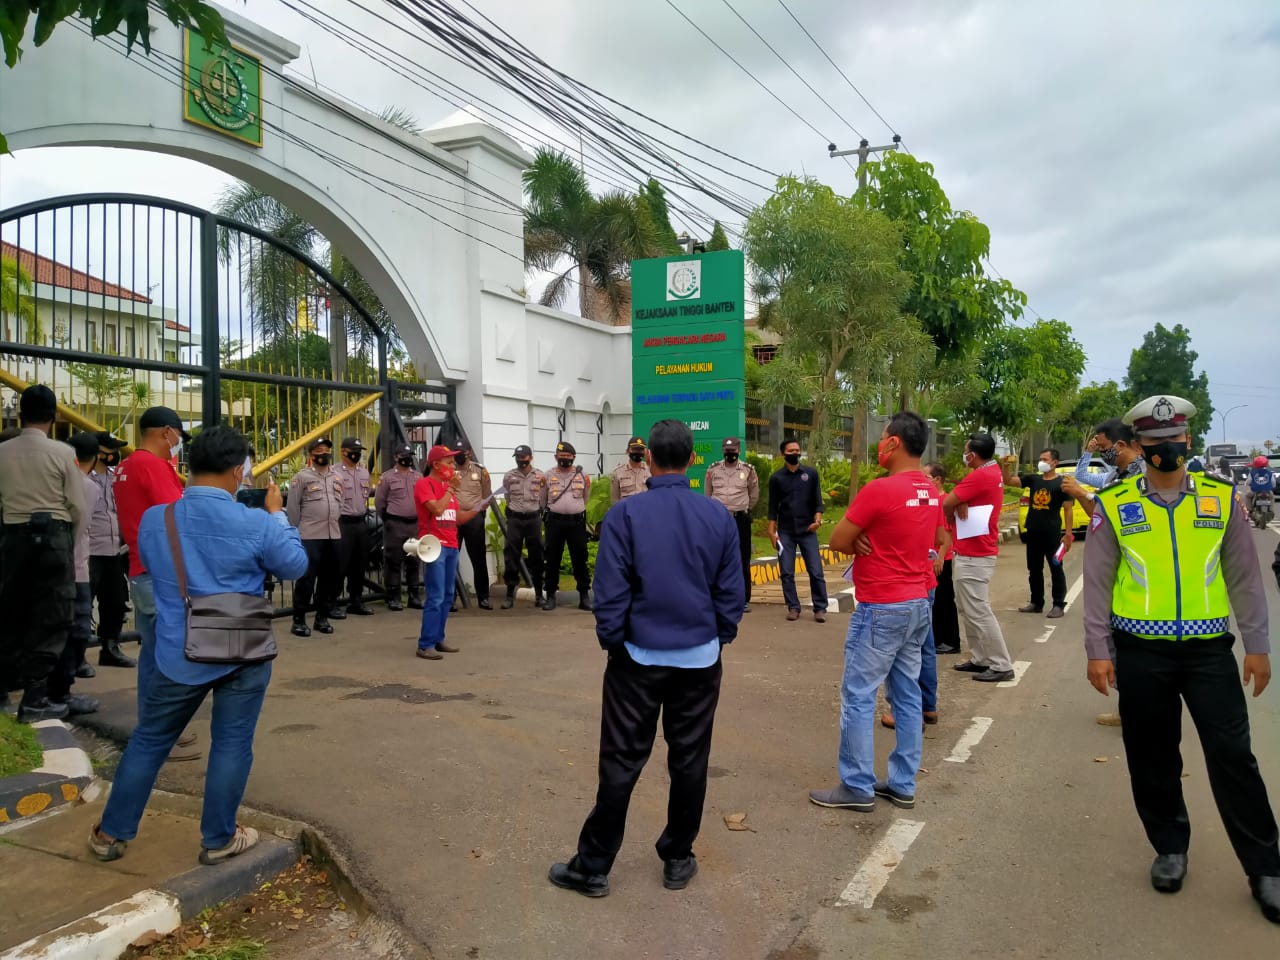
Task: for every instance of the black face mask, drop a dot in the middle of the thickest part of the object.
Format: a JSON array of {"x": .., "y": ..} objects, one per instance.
[
  {"x": 636, "y": 457},
  {"x": 730, "y": 457},
  {"x": 353, "y": 456},
  {"x": 1172, "y": 454},
  {"x": 460, "y": 459},
  {"x": 405, "y": 461},
  {"x": 524, "y": 464},
  {"x": 320, "y": 459},
  {"x": 791, "y": 458},
  {"x": 564, "y": 463},
  {"x": 109, "y": 459}
]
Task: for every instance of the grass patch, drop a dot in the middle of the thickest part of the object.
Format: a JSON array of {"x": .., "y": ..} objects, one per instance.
[
  {"x": 20, "y": 751},
  {"x": 237, "y": 950}
]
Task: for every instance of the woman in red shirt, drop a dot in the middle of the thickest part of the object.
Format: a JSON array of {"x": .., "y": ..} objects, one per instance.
[{"x": 439, "y": 516}]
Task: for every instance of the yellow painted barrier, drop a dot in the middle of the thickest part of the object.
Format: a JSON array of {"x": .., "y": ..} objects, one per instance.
[
  {"x": 67, "y": 414},
  {"x": 770, "y": 570},
  {"x": 283, "y": 454}
]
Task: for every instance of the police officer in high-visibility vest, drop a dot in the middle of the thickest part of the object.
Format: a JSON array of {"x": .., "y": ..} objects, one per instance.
[{"x": 1170, "y": 557}]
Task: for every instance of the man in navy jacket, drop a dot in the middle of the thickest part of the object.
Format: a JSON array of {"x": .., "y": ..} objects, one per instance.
[{"x": 668, "y": 595}]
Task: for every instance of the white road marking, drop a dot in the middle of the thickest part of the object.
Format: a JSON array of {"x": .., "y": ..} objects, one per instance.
[
  {"x": 1048, "y": 632},
  {"x": 880, "y": 863},
  {"x": 1019, "y": 668},
  {"x": 1077, "y": 588},
  {"x": 970, "y": 739}
]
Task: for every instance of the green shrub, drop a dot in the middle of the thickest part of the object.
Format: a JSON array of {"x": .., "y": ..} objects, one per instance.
[
  {"x": 566, "y": 565},
  {"x": 835, "y": 477}
]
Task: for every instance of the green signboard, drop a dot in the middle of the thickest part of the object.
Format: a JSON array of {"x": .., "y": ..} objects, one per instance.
[
  {"x": 223, "y": 89},
  {"x": 687, "y": 349}
]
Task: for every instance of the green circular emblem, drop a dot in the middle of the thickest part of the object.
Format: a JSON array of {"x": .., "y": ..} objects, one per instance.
[
  {"x": 684, "y": 283},
  {"x": 223, "y": 94}
]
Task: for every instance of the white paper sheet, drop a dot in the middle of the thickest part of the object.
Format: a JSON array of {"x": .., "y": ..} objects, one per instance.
[{"x": 977, "y": 524}]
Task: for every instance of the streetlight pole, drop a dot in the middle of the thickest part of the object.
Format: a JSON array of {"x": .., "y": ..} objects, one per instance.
[{"x": 1239, "y": 406}]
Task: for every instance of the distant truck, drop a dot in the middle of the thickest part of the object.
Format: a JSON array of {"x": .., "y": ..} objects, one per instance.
[{"x": 1237, "y": 463}]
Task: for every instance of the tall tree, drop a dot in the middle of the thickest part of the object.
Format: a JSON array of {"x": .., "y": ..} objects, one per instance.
[
  {"x": 719, "y": 240},
  {"x": 1165, "y": 363},
  {"x": 598, "y": 236},
  {"x": 653, "y": 202},
  {"x": 828, "y": 268},
  {"x": 17, "y": 298},
  {"x": 1094, "y": 404}
]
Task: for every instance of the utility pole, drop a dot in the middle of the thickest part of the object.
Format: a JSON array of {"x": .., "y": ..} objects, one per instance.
[{"x": 863, "y": 151}]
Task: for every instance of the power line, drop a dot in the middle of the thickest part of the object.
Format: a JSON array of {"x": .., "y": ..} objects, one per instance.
[{"x": 786, "y": 64}]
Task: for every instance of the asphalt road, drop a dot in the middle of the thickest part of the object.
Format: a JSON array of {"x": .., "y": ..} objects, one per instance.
[{"x": 453, "y": 786}]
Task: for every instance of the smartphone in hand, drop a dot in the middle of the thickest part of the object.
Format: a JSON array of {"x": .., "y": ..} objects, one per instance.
[{"x": 256, "y": 499}]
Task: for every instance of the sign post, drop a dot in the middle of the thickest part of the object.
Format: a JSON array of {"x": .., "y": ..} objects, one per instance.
[{"x": 687, "y": 349}]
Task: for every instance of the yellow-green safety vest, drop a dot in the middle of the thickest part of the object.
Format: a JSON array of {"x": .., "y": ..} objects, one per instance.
[{"x": 1169, "y": 583}]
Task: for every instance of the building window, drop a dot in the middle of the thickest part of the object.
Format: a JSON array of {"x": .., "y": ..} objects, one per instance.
[
  {"x": 112, "y": 344},
  {"x": 171, "y": 356},
  {"x": 130, "y": 345},
  {"x": 765, "y": 352},
  {"x": 91, "y": 335}
]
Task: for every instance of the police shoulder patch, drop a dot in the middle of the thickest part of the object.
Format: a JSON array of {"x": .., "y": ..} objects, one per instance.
[{"x": 1096, "y": 521}]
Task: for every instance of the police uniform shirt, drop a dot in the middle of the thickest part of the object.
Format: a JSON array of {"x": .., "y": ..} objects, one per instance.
[
  {"x": 525, "y": 491},
  {"x": 736, "y": 485},
  {"x": 315, "y": 504},
  {"x": 1240, "y": 572},
  {"x": 573, "y": 484},
  {"x": 628, "y": 479},
  {"x": 356, "y": 487},
  {"x": 394, "y": 495},
  {"x": 39, "y": 475},
  {"x": 474, "y": 485},
  {"x": 104, "y": 522},
  {"x": 82, "y": 537}
]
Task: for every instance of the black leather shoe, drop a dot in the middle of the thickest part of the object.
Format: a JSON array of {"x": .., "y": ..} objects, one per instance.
[
  {"x": 1266, "y": 890},
  {"x": 1031, "y": 608},
  {"x": 360, "y": 610},
  {"x": 37, "y": 706},
  {"x": 549, "y": 603},
  {"x": 484, "y": 604},
  {"x": 78, "y": 705},
  {"x": 415, "y": 602},
  {"x": 677, "y": 873},
  {"x": 509, "y": 601},
  {"x": 946, "y": 648},
  {"x": 970, "y": 667},
  {"x": 112, "y": 656},
  {"x": 570, "y": 877},
  {"x": 1168, "y": 871},
  {"x": 337, "y": 613},
  {"x": 323, "y": 625},
  {"x": 539, "y": 599},
  {"x": 394, "y": 605},
  {"x": 300, "y": 629},
  {"x": 584, "y": 602},
  {"x": 994, "y": 676},
  {"x": 85, "y": 671}
]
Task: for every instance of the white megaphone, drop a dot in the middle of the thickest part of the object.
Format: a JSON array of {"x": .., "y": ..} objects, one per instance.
[{"x": 427, "y": 549}]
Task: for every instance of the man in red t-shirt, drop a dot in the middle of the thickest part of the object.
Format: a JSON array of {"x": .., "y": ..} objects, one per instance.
[
  {"x": 899, "y": 519},
  {"x": 145, "y": 478},
  {"x": 439, "y": 516},
  {"x": 975, "y": 561}
]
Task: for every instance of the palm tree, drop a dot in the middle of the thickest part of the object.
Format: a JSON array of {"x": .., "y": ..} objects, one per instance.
[
  {"x": 599, "y": 236},
  {"x": 17, "y": 297}
]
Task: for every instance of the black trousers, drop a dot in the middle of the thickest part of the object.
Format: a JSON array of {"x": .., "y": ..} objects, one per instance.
[
  {"x": 523, "y": 530},
  {"x": 1154, "y": 677},
  {"x": 571, "y": 530},
  {"x": 109, "y": 587},
  {"x": 743, "y": 520},
  {"x": 471, "y": 537},
  {"x": 946, "y": 620},
  {"x": 354, "y": 560},
  {"x": 1042, "y": 547},
  {"x": 37, "y": 595},
  {"x": 633, "y": 697},
  {"x": 63, "y": 675},
  {"x": 395, "y": 531},
  {"x": 323, "y": 578}
]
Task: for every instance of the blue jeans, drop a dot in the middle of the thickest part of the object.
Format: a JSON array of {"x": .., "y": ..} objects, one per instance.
[
  {"x": 808, "y": 544},
  {"x": 929, "y": 665},
  {"x": 438, "y": 580},
  {"x": 169, "y": 706},
  {"x": 884, "y": 645},
  {"x": 143, "y": 594}
]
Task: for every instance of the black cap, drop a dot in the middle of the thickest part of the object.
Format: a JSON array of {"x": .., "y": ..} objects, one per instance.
[
  {"x": 731, "y": 443},
  {"x": 352, "y": 443},
  {"x": 636, "y": 442},
  {"x": 158, "y": 417},
  {"x": 38, "y": 404},
  {"x": 319, "y": 442},
  {"x": 105, "y": 439},
  {"x": 404, "y": 450},
  {"x": 523, "y": 451},
  {"x": 564, "y": 446}
]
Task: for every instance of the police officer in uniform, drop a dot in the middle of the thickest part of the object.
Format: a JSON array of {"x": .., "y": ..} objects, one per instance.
[
  {"x": 42, "y": 497},
  {"x": 736, "y": 485},
  {"x": 356, "y": 487},
  {"x": 1170, "y": 558},
  {"x": 526, "y": 488},
  {"x": 475, "y": 487},
  {"x": 394, "y": 502},
  {"x": 315, "y": 506},
  {"x": 565, "y": 502},
  {"x": 107, "y": 562},
  {"x": 632, "y": 475}
]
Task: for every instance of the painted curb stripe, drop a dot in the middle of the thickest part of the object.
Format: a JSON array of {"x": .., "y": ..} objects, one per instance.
[
  {"x": 105, "y": 933},
  {"x": 970, "y": 739},
  {"x": 880, "y": 864}
]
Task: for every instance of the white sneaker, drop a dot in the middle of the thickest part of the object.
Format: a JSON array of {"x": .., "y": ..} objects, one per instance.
[{"x": 245, "y": 837}]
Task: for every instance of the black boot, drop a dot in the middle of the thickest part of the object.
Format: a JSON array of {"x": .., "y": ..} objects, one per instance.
[
  {"x": 110, "y": 655},
  {"x": 85, "y": 671},
  {"x": 550, "y": 602},
  {"x": 584, "y": 601},
  {"x": 322, "y": 624},
  {"x": 538, "y": 599},
  {"x": 510, "y": 601},
  {"x": 415, "y": 599},
  {"x": 36, "y": 706},
  {"x": 300, "y": 628},
  {"x": 393, "y": 600}
]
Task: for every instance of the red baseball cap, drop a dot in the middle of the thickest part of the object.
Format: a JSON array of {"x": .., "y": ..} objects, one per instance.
[{"x": 441, "y": 452}]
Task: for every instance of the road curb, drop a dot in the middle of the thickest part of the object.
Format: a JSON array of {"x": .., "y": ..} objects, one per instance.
[{"x": 63, "y": 775}]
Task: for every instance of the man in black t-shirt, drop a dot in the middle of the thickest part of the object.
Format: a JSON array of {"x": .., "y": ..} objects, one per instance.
[{"x": 1045, "y": 534}]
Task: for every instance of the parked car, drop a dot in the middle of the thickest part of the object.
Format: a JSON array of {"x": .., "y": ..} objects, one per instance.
[{"x": 1079, "y": 518}]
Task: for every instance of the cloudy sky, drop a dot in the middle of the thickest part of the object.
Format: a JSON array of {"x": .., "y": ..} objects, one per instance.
[{"x": 1123, "y": 154}]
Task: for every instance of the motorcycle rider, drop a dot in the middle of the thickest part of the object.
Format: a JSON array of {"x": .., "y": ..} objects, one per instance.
[{"x": 1261, "y": 479}]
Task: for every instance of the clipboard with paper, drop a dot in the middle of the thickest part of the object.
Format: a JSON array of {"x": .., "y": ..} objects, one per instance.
[{"x": 976, "y": 524}]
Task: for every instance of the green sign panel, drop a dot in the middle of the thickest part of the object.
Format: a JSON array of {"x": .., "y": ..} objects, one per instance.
[
  {"x": 223, "y": 89},
  {"x": 687, "y": 349}
]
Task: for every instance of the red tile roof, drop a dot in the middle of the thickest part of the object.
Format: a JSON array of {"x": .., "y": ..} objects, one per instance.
[{"x": 54, "y": 274}]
